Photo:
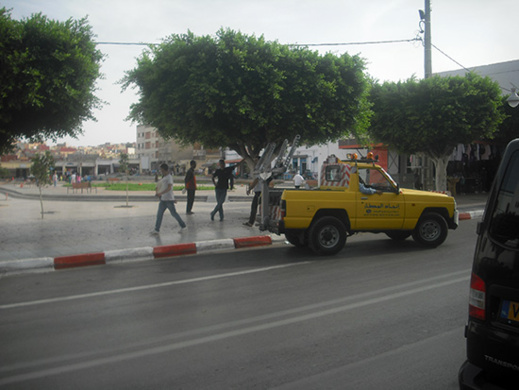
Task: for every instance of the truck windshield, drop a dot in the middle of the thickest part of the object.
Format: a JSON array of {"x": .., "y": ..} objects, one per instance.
[{"x": 378, "y": 179}]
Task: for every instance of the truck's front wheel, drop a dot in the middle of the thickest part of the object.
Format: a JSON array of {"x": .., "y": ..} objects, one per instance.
[
  {"x": 431, "y": 230},
  {"x": 327, "y": 236}
]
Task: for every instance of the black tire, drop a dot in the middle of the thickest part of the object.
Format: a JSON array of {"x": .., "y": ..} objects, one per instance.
[
  {"x": 294, "y": 239},
  {"x": 398, "y": 235},
  {"x": 327, "y": 236},
  {"x": 431, "y": 230}
]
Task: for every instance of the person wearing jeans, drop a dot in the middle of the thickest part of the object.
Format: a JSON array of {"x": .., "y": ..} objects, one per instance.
[
  {"x": 164, "y": 192},
  {"x": 221, "y": 178}
]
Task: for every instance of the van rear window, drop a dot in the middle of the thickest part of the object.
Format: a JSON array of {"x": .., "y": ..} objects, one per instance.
[{"x": 504, "y": 226}]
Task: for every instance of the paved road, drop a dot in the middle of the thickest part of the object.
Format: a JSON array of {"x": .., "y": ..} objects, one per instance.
[{"x": 380, "y": 314}]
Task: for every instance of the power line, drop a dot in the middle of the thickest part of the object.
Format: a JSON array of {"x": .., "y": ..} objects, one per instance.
[
  {"x": 126, "y": 43},
  {"x": 355, "y": 43},
  {"x": 314, "y": 45},
  {"x": 450, "y": 58},
  {"x": 290, "y": 44},
  {"x": 466, "y": 69}
]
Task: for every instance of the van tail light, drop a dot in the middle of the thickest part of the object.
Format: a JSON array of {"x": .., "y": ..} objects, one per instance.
[
  {"x": 477, "y": 297},
  {"x": 283, "y": 209}
]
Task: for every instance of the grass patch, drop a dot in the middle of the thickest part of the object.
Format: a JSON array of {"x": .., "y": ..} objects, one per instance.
[{"x": 141, "y": 187}]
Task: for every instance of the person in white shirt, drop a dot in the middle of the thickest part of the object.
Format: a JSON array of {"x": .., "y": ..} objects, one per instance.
[
  {"x": 164, "y": 192},
  {"x": 368, "y": 190},
  {"x": 298, "y": 180}
]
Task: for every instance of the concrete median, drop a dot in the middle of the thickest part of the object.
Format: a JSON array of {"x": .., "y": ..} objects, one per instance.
[{"x": 48, "y": 264}]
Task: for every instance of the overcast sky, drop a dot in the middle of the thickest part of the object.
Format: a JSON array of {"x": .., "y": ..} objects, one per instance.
[{"x": 472, "y": 32}]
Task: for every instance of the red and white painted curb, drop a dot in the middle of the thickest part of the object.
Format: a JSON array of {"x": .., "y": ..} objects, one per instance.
[
  {"x": 471, "y": 215},
  {"x": 47, "y": 264}
]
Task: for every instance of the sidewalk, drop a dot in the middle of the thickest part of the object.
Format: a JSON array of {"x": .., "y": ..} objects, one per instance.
[{"x": 104, "y": 224}]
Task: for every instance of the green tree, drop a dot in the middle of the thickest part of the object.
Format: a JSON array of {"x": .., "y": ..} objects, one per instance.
[
  {"x": 433, "y": 115},
  {"x": 124, "y": 166},
  {"x": 48, "y": 71},
  {"x": 42, "y": 167},
  {"x": 4, "y": 173},
  {"x": 242, "y": 92}
]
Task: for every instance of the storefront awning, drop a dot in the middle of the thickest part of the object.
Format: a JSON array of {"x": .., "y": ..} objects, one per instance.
[{"x": 236, "y": 161}]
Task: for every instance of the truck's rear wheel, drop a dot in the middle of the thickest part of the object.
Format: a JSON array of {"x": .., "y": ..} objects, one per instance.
[
  {"x": 327, "y": 236},
  {"x": 431, "y": 230}
]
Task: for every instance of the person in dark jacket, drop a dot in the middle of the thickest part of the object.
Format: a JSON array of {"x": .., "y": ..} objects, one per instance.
[
  {"x": 223, "y": 179},
  {"x": 190, "y": 182}
]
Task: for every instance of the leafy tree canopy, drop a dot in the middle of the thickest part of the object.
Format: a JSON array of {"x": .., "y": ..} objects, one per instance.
[
  {"x": 243, "y": 92},
  {"x": 433, "y": 115},
  {"x": 48, "y": 71}
]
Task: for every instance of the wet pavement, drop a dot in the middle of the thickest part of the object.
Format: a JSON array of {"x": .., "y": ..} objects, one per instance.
[
  {"x": 88, "y": 222},
  {"x": 79, "y": 226}
]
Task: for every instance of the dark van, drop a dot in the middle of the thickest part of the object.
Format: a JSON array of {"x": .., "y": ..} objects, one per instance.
[{"x": 492, "y": 330}]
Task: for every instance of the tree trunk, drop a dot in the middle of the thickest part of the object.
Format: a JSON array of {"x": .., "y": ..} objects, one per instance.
[
  {"x": 249, "y": 160},
  {"x": 127, "y": 195},
  {"x": 41, "y": 202},
  {"x": 440, "y": 164}
]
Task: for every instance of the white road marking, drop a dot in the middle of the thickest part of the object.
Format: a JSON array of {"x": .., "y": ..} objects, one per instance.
[
  {"x": 140, "y": 288},
  {"x": 380, "y": 296}
]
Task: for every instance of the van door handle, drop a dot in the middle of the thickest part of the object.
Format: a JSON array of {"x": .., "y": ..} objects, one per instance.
[{"x": 364, "y": 198}]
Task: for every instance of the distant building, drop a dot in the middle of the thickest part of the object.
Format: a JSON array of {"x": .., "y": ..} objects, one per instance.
[
  {"x": 505, "y": 73},
  {"x": 153, "y": 150},
  {"x": 86, "y": 161}
]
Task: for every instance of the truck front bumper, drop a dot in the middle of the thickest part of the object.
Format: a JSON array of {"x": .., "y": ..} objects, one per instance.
[{"x": 455, "y": 220}]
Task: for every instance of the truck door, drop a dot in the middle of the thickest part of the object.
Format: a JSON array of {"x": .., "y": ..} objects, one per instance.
[{"x": 383, "y": 207}]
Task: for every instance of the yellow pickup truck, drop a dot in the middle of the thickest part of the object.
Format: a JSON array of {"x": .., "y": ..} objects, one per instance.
[{"x": 359, "y": 196}]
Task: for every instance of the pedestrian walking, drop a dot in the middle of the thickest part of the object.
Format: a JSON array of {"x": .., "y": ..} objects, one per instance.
[
  {"x": 298, "y": 180},
  {"x": 55, "y": 179},
  {"x": 190, "y": 182},
  {"x": 164, "y": 191},
  {"x": 223, "y": 179}
]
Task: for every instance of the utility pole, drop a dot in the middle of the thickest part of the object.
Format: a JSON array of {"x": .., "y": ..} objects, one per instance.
[{"x": 427, "y": 40}]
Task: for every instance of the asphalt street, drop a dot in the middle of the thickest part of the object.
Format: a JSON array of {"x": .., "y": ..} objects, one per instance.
[{"x": 380, "y": 314}]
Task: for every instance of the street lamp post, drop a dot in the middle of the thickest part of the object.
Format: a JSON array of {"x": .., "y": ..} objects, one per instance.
[{"x": 513, "y": 99}]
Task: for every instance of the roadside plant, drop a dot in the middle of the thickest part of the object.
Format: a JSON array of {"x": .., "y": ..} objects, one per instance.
[
  {"x": 41, "y": 169},
  {"x": 124, "y": 165}
]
